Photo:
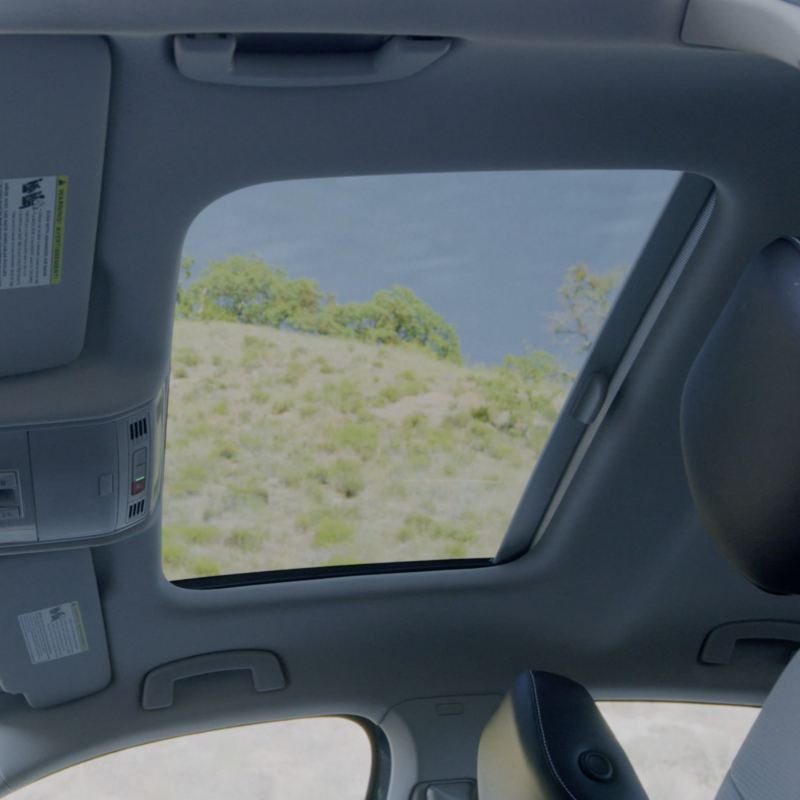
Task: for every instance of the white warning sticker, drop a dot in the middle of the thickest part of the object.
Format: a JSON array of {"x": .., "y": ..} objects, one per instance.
[
  {"x": 32, "y": 214},
  {"x": 55, "y": 632}
]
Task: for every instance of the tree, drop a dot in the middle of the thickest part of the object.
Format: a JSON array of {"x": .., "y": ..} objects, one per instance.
[
  {"x": 585, "y": 298},
  {"x": 184, "y": 277},
  {"x": 395, "y": 316},
  {"x": 248, "y": 290}
]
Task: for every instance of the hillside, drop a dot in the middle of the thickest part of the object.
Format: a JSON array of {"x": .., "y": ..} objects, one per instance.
[{"x": 288, "y": 449}]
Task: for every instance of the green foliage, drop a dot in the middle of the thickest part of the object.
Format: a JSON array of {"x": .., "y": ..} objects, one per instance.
[
  {"x": 259, "y": 396},
  {"x": 331, "y": 531},
  {"x": 254, "y": 351},
  {"x": 395, "y": 316},
  {"x": 220, "y": 409},
  {"x": 345, "y": 396},
  {"x": 186, "y": 357},
  {"x": 244, "y": 539},
  {"x": 225, "y": 450},
  {"x": 586, "y": 298},
  {"x": 346, "y": 477},
  {"x": 196, "y": 534},
  {"x": 407, "y": 384},
  {"x": 422, "y": 526},
  {"x": 204, "y": 567},
  {"x": 522, "y": 394},
  {"x": 248, "y": 290},
  {"x": 363, "y": 438},
  {"x": 191, "y": 479},
  {"x": 172, "y": 553},
  {"x": 283, "y": 405}
]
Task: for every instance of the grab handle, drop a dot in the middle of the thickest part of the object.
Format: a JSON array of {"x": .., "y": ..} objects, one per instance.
[
  {"x": 721, "y": 642},
  {"x": 212, "y": 58},
  {"x": 159, "y": 684}
]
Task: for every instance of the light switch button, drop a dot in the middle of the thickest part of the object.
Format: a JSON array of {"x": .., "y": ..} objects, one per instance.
[{"x": 105, "y": 485}]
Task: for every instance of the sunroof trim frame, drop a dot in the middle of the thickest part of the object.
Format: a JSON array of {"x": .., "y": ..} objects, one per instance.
[
  {"x": 646, "y": 291},
  {"x": 553, "y": 470}
]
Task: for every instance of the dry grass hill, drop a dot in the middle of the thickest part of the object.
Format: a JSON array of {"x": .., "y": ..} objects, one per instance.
[{"x": 291, "y": 450}]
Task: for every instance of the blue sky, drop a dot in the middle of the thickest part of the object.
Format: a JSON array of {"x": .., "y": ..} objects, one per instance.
[{"x": 487, "y": 250}]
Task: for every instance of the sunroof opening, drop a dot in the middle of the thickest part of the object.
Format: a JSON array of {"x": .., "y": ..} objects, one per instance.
[{"x": 366, "y": 369}]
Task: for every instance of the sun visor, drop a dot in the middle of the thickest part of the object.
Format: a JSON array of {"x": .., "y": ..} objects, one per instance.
[
  {"x": 51, "y": 625},
  {"x": 54, "y": 107},
  {"x": 740, "y": 423}
]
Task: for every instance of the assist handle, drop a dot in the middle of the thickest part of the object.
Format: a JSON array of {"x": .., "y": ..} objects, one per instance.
[
  {"x": 212, "y": 58},
  {"x": 159, "y": 684}
]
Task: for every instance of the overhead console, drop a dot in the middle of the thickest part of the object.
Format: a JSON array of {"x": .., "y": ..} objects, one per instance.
[
  {"x": 66, "y": 485},
  {"x": 62, "y": 486}
]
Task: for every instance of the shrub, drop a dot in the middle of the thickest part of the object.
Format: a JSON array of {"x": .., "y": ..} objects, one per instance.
[
  {"x": 407, "y": 384},
  {"x": 196, "y": 534},
  {"x": 172, "y": 553},
  {"x": 190, "y": 479},
  {"x": 282, "y": 406},
  {"x": 294, "y": 372},
  {"x": 397, "y": 316},
  {"x": 330, "y": 531},
  {"x": 204, "y": 567},
  {"x": 225, "y": 450},
  {"x": 186, "y": 357},
  {"x": 260, "y": 397},
  {"x": 344, "y": 396},
  {"x": 251, "y": 492},
  {"x": 244, "y": 539},
  {"x": 254, "y": 351},
  {"x": 247, "y": 289},
  {"x": 362, "y": 438},
  {"x": 346, "y": 477},
  {"x": 481, "y": 413},
  {"x": 220, "y": 408},
  {"x": 422, "y": 526}
]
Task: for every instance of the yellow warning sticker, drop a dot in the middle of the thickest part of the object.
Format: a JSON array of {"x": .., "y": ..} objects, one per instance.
[{"x": 32, "y": 223}]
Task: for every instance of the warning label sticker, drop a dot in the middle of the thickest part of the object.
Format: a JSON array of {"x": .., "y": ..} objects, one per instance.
[
  {"x": 55, "y": 632},
  {"x": 32, "y": 212}
]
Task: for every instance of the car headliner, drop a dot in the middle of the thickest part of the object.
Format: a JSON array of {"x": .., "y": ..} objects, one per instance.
[{"x": 624, "y": 587}]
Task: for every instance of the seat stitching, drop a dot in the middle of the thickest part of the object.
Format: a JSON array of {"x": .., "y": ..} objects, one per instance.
[{"x": 550, "y": 762}]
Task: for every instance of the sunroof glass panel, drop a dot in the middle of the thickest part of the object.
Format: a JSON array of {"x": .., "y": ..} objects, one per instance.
[{"x": 366, "y": 369}]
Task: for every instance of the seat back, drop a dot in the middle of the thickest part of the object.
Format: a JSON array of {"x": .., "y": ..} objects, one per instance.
[
  {"x": 740, "y": 436},
  {"x": 548, "y": 741}
]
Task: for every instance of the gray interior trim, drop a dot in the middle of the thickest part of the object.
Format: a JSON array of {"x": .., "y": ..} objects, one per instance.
[
  {"x": 571, "y": 438},
  {"x": 766, "y": 27}
]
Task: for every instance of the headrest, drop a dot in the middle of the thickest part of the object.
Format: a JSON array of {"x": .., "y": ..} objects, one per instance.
[
  {"x": 548, "y": 741},
  {"x": 740, "y": 423}
]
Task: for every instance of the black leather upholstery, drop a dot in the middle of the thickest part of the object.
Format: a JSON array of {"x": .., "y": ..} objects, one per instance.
[
  {"x": 740, "y": 423},
  {"x": 546, "y": 740}
]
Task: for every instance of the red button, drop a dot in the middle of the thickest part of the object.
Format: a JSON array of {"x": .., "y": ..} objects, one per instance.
[{"x": 137, "y": 487}]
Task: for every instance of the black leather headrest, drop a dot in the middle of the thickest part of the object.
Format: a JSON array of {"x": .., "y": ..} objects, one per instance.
[
  {"x": 548, "y": 741},
  {"x": 740, "y": 423}
]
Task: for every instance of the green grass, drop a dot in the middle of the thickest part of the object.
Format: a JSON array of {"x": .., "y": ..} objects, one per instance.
[
  {"x": 245, "y": 540},
  {"x": 330, "y": 531},
  {"x": 360, "y": 438},
  {"x": 289, "y": 450},
  {"x": 195, "y": 534},
  {"x": 347, "y": 477}
]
